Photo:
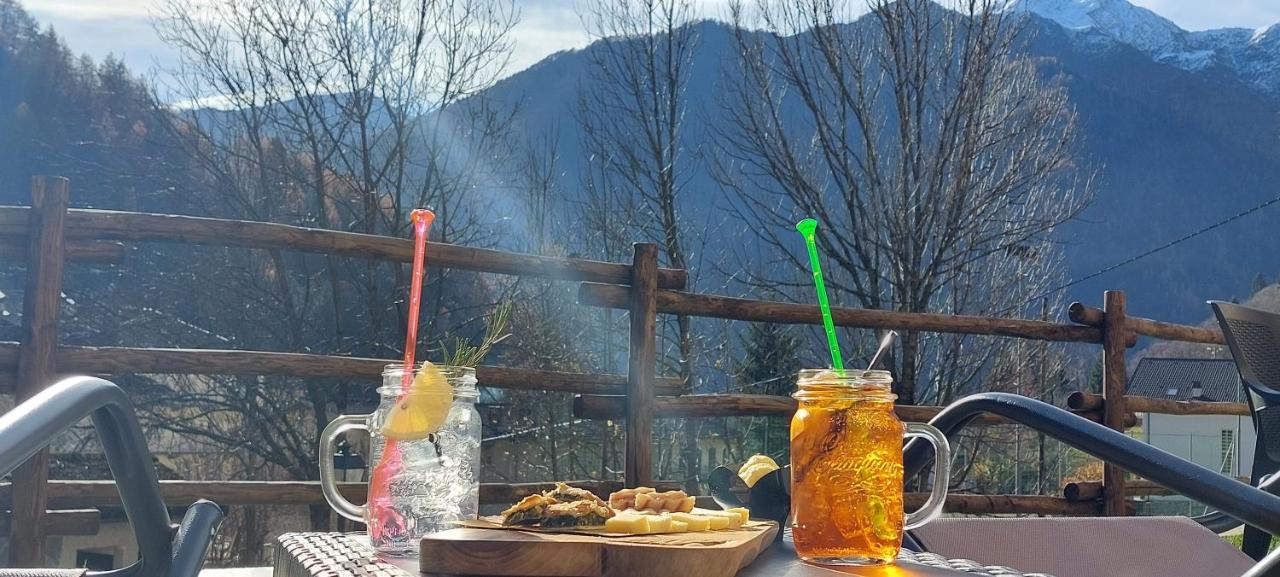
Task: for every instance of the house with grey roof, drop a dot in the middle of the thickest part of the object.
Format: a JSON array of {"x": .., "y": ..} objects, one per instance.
[{"x": 1223, "y": 443}]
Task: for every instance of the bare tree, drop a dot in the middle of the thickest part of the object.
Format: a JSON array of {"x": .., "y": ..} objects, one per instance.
[
  {"x": 934, "y": 152},
  {"x": 632, "y": 115},
  {"x": 338, "y": 114}
]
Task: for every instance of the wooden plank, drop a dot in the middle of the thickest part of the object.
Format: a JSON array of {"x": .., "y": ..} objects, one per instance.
[
  {"x": 715, "y": 405},
  {"x": 1086, "y": 315},
  {"x": 684, "y": 303},
  {"x": 1114, "y": 348},
  {"x": 83, "y": 494},
  {"x": 497, "y": 552},
  {"x": 966, "y": 504},
  {"x": 14, "y": 249},
  {"x": 1087, "y": 490},
  {"x": 92, "y": 224},
  {"x": 1176, "y": 332},
  {"x": 1082, "y": 491},
  {"x": 1082, "y": 401},
  {"x": 36, "y": 357},
  {"x": 641, "y": 363},
  {"x": 116, "y": 360},
  {"x": 103, "y": 493},
  {"x": 72, "y": 522},
  {"x": 1172, "y": 407}
]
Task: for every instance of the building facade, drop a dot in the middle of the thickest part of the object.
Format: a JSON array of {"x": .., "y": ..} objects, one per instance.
[{"x": 1222, "y": 443}]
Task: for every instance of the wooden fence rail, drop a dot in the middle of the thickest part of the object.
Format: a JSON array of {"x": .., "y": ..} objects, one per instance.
[
  {"x": 47, "y": 233},
  {"x": 97, "y": 494},
  {"x": 117, "y": 360},
  {"x": 14, "y": 249},
  {"x": 1089, "y": 316},
  {"x": 61, "y": 522},
  {"x": 1091, "y": 491},
  {"x": 1087, "y": 402},
  {"x": 716, "y": 405},
  {"x": 701, "y": 305},
  {"x": 89, "y": 224}
]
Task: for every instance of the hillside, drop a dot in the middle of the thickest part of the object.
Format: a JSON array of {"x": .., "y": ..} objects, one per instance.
[{"x": 1267, "y": 299}]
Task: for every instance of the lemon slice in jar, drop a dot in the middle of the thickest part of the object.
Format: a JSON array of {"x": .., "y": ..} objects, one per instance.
[{"x": 423, "y": 409}]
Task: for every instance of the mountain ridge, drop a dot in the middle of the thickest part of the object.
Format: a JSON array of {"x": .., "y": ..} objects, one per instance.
[
  {"x": 1254, "y": 54},
  {"x": 1183, "y": 147}
]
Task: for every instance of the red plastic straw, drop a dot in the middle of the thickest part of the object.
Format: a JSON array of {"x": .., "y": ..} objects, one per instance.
[{"x": 422, "y": 219}]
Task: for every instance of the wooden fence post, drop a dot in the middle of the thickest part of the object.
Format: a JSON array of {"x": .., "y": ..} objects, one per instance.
[
  {"x": 641, "y": 363},
  {"x": 36, "y": 359},
  {"x": 1115, "y": 341}
]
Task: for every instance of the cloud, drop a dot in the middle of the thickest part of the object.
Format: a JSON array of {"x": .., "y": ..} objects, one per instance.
[
  {"x": 545, "y": 28},
  {"x": 121, "y": 28}
]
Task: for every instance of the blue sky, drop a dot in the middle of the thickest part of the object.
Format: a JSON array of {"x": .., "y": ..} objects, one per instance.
[{"x": 121, "y": 27}]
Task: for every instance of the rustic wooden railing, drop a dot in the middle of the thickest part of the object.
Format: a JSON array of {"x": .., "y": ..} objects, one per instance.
[{"x": 48, "y": 233}]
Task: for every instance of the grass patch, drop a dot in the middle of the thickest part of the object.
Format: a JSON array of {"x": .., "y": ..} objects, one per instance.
[{"x": 1237, "y": 541}]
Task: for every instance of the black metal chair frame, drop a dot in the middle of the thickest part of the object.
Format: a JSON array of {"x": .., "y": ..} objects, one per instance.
[
  {"x": 1253, "y": 506},
  {"x": 165, "y": 550},
  {"x": 1257, "y": 357}
]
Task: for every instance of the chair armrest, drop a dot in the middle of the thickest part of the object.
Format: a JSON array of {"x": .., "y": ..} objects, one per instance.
[
  {"x": 1220, "y": 522},
  {"x": 194, "y": 536},
  {"x": 1269, "y": 566},
  {"x": 1239, "y": 500},
  {"x": 33, "y": 424}
]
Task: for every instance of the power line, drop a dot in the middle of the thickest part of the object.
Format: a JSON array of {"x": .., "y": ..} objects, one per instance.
[{"x": 1155, "y": 250}]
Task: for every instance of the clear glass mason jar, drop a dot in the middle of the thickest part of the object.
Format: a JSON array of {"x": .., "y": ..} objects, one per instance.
[
  {"x": 417, "y": 486},
  {"x": 846, "y": 469}
]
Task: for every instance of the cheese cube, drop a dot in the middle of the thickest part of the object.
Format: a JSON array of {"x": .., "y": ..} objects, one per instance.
[
  {"x": 659, "y": 523},
  {"x": 742, "y": 512},
  {"x": 695, "y": 522},
  {"x": 717, "y": 522},
  {"x": 633, "y": 524},
  {"x": 679, "y": 526},
  {"x": 731, "y": 519}
]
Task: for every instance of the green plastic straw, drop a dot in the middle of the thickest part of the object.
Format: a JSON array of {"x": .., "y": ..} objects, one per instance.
[{"x": 807, "y": 228}]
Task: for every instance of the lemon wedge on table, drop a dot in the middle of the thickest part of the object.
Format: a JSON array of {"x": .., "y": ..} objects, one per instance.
[
  {"x": 755, "y": 468},
  {"x": 423, "y": 409}
]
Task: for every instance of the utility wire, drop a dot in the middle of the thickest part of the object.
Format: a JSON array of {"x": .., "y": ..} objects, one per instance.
[{"x": 1155, "y": 250}]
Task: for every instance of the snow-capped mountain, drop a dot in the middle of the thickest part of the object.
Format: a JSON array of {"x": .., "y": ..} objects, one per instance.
[{"x": 1254, "y": 55}]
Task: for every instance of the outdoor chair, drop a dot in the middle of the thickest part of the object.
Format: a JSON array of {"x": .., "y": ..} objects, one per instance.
[
  {"x": 1103, "y": 547},
  {"x": 165, "y": 550},
  {"x": 1254, "y": 339}
]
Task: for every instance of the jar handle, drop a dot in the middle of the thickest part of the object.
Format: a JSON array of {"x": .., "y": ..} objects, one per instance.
[
  {"x": 328, "y": 486},
  {"x": 932, "y": 508}
]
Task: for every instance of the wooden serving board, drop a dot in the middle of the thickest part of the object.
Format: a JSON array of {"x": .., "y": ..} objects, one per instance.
[{"x": 525, "y": 553}]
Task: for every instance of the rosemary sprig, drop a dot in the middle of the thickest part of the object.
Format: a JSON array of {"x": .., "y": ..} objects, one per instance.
[{"x": 466, "y": 354}]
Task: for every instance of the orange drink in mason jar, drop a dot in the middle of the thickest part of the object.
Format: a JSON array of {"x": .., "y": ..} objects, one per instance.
[{"x": 846, "y": 469}]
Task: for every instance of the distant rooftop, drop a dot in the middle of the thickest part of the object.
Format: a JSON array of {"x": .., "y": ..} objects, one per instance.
[{"x": 1178, "y": 379}]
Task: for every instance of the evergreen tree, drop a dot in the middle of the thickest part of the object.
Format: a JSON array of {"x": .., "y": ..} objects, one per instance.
[{"x": 769, "y": 366}]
